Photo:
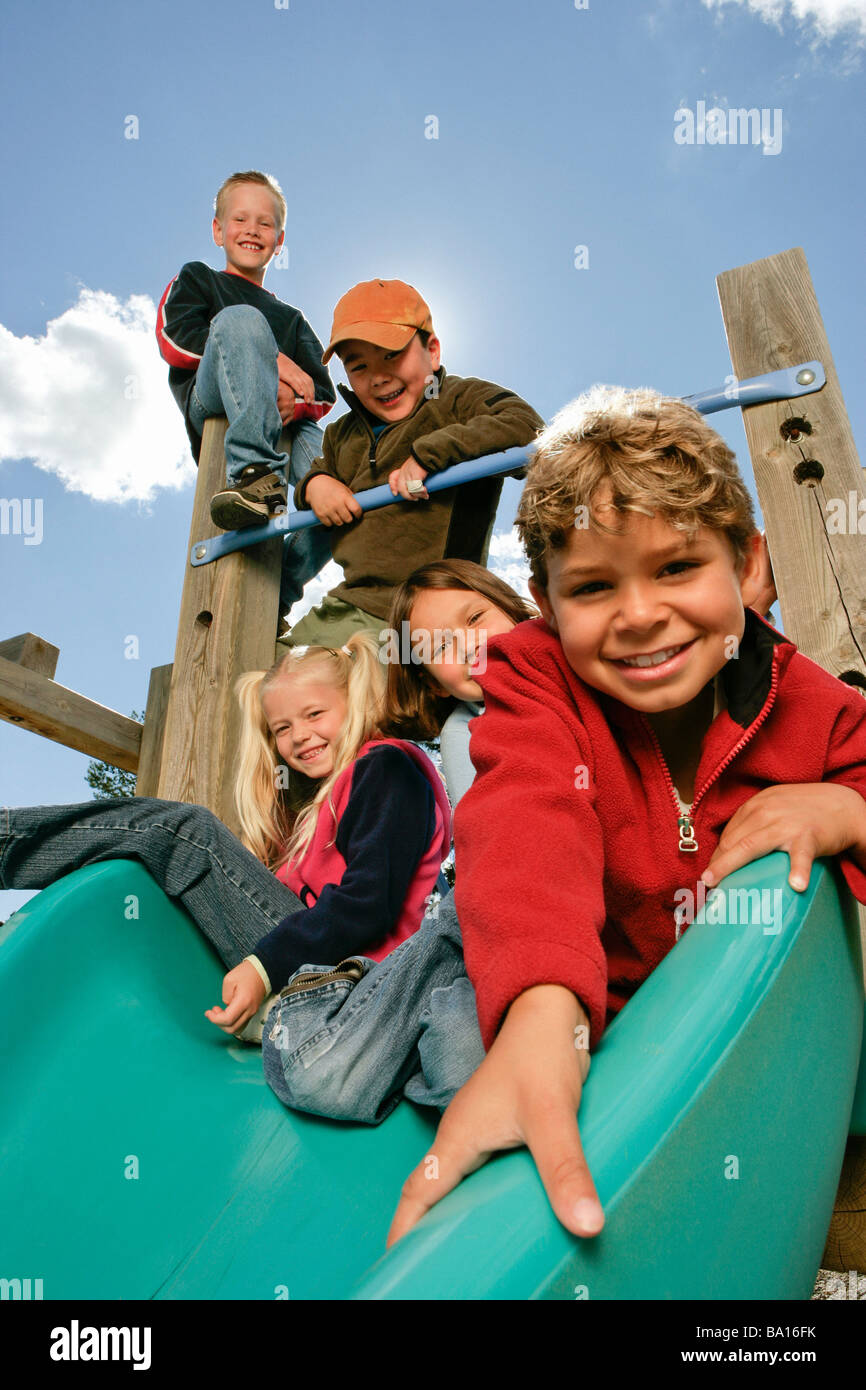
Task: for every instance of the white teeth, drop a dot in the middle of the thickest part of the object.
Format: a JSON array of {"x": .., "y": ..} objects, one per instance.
[{"x": 655, "y": 659}]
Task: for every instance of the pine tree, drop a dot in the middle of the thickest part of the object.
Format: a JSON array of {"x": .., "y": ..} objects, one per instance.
[{"x": 109, "y": 782}]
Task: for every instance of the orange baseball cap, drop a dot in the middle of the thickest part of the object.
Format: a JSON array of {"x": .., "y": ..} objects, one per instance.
[{"x": 384, "y": 312}]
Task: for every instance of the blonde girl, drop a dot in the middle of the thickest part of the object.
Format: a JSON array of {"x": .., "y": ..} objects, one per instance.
[
  {"x": 327, "y": 889},
  {"x": 328, "y": 834}
]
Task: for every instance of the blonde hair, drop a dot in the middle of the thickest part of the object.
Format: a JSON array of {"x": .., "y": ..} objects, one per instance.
[
  {"x": 650, "y": 453},
  {"x": 270, "y": 827},
  {"x": 414, "y": 709},
  {"x": 250, "y": 176}
]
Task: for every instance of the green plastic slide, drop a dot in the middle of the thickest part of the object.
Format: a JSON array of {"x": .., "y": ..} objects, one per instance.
[{"x": 143, "y": 1156}]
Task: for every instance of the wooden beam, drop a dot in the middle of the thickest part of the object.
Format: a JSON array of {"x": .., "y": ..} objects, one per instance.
[
  {"x": 228, "y": 624},
  {"x": 810, "y": 484},
  {"x": 35, "y": 702},
  {"x": 147, "y": 782},
  {"x": 846, "y": 1240},
  {"x": 31, "y": 651}
]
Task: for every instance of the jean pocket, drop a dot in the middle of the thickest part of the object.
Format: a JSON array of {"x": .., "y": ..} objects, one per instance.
[
  {"x": 306, "y": 1027},
  {"x": 307, "y": 1021}
]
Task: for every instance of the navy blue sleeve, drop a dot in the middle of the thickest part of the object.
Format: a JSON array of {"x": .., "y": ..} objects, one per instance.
[
  {"x": 184, "y": 315},
  {"x": 384, "y": 832}
]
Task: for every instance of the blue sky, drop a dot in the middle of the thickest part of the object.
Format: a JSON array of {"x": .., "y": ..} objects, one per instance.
[{"x": 555, "y": 129}]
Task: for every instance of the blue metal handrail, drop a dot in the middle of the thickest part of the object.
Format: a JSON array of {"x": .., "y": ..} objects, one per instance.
[{"x": 787, "y": 384}]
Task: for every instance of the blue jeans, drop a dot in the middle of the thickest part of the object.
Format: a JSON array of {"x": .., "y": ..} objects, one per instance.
[
  {"x": 347, "y": 1050},
  {"x": 232, "y": 898},
  {"x": 237, "y": 377}
]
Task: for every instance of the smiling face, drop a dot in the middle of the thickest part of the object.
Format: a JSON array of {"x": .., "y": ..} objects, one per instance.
[
  {"x": 306, "y": 717},
  {"x": 454, "y": 626},
  {"x": 646, "y": 614},
  {"x": 249, "y": 230},
  {"x": 390, "y": 383}
]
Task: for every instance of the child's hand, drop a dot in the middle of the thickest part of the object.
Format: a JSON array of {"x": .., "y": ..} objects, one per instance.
[
  {"x": 333, "y": 502},
  {"x": 300, "y": 381},
  {"x": 807, "y": 819},
  {"x": 411, "y": 472},
  {"x": 286, "y": 402},
  {"x": 243, "y": 994},
  {"x": 526, "y": 1091}
]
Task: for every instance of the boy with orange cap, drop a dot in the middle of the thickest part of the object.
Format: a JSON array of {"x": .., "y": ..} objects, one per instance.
[{"x": 407, "y": 418}]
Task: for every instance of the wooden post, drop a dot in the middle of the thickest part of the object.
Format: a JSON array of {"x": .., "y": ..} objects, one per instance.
[
  {"x": 809, "y": 480},
  {"x": 808, "y": 475},
  {"x": 150, "y": 757},
  {"x": 846, "y": 1239},
  {"x": 811, "y": 491},
  {"x": 228, "y": 624}
]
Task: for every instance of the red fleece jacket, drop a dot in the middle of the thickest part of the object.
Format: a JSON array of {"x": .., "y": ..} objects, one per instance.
[{"x": 567, "y": 844}]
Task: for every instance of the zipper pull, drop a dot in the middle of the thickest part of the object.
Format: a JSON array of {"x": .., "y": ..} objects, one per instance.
[{"x": 688, "y": 844}]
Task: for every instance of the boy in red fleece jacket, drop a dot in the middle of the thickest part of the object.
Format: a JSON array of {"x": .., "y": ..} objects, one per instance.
[{"x": 649, "y": 731}]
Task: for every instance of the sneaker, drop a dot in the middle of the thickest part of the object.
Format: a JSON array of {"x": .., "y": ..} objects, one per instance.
[
  {"x": 256, "y": 496},
  {"x": 252, "y": 1031}
]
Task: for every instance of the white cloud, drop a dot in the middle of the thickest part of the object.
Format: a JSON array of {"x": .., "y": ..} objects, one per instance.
[
  {"x": 508, "y": 560},
  {"x": 823, "y": 19},
  {"x": 89, "y": 401}
]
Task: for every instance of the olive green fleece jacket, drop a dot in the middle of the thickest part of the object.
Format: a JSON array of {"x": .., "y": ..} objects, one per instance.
[{"x": 465, "y": 419}]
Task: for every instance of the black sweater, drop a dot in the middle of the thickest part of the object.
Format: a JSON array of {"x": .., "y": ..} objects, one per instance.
[
  {"x": 183, "y": 319},
  {"x": 390, "y": 805}
]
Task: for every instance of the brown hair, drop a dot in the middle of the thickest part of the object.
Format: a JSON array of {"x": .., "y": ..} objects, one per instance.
[
  {"x": 413, "y": 708},
  {"x": 251, "y": 176},
  {"x": 649, "y": 453}
]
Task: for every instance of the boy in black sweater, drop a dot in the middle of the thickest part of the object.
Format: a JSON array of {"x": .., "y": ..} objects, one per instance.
[{"x": 234, "y": 349}]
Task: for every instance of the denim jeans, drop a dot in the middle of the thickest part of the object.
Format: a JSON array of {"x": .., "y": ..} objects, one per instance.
[
  {"x": 237, "y": 377},
  {"x": 348, "y": 1049},
  {"x": 344, "y": 1050},
  {"x": 232, "y": 898}
]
